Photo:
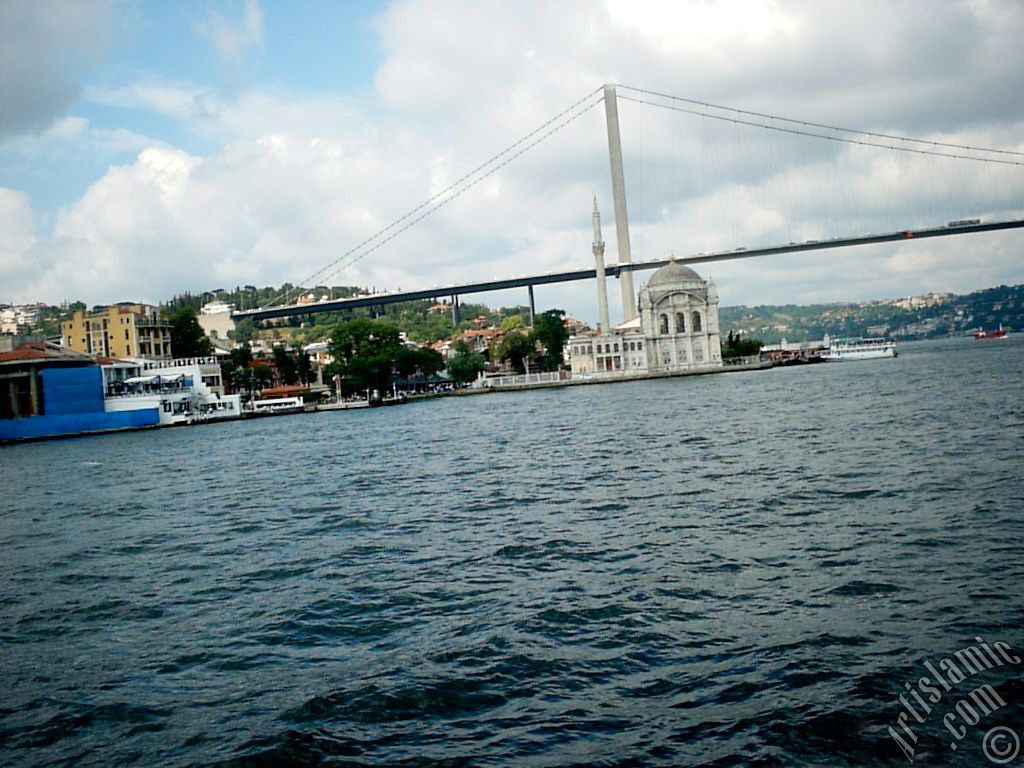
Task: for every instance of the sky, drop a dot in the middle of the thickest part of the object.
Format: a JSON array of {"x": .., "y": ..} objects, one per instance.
[{"x": 152, "y": 148}]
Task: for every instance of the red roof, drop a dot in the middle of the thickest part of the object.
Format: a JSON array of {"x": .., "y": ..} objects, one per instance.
[{"x": 41, "y": 350}]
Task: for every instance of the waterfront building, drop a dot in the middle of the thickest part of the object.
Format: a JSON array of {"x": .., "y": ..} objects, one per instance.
[
  {"x": 48, "y": 391},
  {"x": 183, "y": 390},
  {"x": 675, "y": 328},
  {"x": 123, "y": 330}
]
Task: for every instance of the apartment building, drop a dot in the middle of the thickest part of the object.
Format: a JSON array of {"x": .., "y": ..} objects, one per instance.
[{"x": 123, "y": 330}]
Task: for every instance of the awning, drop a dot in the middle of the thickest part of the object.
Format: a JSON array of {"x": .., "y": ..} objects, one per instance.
[{"x": 171, "y": 379}]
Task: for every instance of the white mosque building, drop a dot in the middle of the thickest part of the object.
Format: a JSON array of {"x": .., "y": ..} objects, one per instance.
[{"x": 676, "y": 329}]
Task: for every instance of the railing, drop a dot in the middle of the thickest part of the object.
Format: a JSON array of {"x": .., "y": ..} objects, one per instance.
[
  {"x": 150, "y": 365},
  {"x": 499, "y": 382},
  {"x": 518, "y": 380},
  {"x": 746, "y": 360},
  {"x": 148, "y": 392},
  {"x": 148, "y": 322}
]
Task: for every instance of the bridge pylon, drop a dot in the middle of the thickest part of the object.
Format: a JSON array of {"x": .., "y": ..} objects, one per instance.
[{"x": 611, "y": 111}]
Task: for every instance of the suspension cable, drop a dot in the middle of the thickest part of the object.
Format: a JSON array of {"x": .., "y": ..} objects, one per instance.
[
  {"x": 324, "y": 273},
  {"x": 822, "y": 125},
  {"x": 455, "y": 195},
  {"x": 798, "y": 132}
]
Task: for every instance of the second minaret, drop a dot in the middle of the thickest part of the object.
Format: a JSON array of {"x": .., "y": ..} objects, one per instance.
[{"x": 602, "y": 288}]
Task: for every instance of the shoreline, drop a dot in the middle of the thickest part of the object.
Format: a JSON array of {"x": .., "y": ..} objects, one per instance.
[{"x": 592, "y": 379}]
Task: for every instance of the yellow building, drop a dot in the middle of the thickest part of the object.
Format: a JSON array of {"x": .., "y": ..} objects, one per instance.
[{"x": 122, "y": 330}]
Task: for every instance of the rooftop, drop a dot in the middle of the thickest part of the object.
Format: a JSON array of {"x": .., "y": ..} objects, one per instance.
[
  {"x": 674, "y": 272},
  {"x": 37, "y": 351}
]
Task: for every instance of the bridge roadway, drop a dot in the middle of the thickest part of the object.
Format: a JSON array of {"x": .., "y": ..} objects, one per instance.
[{"x": 565, "y": 276}]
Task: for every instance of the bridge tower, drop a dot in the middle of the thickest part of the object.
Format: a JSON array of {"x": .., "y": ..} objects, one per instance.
[{"x": 611, "y": 112}]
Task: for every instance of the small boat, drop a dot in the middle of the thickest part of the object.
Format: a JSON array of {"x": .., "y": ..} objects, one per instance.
[
  {"x": 275, "y": 406},
  {"x": 343, "y": 405},
  {"x": 841, "y": 350},
  {"x": 982, "y": 334},
  {"x": 376, "y": 399}
]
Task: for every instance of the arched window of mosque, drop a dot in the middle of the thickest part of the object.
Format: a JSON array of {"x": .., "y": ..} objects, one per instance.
[
  {"x": 663, "y": 323},
  {"x": 680, "y": 322},
  {"x": 696, "y": 322}
]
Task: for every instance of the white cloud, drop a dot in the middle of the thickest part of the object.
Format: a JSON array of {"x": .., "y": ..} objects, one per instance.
[
  {"x": 17, "y": 240},
  {"x": 178, "y": 100},
  {"x": 235, "y": 39},
  {"x": 72, "y": 137},
  {"x": 207, "y": 112},
  {"x": 675, "y": 28}
]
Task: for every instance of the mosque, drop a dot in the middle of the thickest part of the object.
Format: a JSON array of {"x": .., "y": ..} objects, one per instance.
[{"x": 675, "y": 327}]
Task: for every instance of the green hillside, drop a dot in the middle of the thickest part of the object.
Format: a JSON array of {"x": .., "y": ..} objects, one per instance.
[{"x": 919, "y": 317}]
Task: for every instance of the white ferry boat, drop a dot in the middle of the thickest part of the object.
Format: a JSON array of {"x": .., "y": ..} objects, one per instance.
[{"x": 841, "y": 350}]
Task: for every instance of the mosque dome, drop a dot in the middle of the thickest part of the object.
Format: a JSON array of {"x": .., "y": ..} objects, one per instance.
[{"x": 674, "y": 272}]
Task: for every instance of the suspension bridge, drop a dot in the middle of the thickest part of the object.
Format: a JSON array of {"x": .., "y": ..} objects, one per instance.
[{"x": 623, "y": 269}]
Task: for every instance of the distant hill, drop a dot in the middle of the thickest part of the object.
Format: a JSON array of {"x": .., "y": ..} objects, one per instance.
[{"x": 927, "y": 316}]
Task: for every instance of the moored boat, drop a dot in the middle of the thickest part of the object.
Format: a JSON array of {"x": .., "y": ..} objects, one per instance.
[
  {"x": 983, "y": 334},
  {"x": 841, "y": 350}
]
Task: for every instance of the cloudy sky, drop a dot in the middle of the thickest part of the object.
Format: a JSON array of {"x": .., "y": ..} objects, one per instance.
[{"x": 148, "y": 148}]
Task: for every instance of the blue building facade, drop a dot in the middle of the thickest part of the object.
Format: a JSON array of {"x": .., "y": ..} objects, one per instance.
[{"x": 72, "y": 403}]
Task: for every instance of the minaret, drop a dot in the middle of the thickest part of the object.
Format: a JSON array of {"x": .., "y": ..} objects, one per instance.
[{"x": 602, "y": 288}]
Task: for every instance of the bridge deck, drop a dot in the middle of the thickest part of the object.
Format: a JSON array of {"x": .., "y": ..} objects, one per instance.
[{"x": 565, "y": 276}]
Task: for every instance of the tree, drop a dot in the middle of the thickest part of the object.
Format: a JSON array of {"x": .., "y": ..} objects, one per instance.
[
  {"x": 187, "y": 336},
  {"x": 516, "y": 348},
  {"x": 550, "y": 331},
  {"x": 736, "y": 346},
  {"x": 235, "y": 368},
  {"x": 512, "y": 323},
  {"x": 422, "y": 361},
  {"x": 365, "y": 353},
  {"x": 464, "y": 365},
  {"x": 261, "y": 377},
  {"x": 287, "y": 368},
  {"x": 430, "y": 361},
  {"x": 245, "y": 331},
  {"x": 303, "y": 367}
]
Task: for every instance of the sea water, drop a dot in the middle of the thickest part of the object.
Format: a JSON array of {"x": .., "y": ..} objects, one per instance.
[{"x": 737, "y": 569}]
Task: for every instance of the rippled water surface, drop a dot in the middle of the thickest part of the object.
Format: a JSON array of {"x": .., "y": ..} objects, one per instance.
[{"x": 741, "y": 569}]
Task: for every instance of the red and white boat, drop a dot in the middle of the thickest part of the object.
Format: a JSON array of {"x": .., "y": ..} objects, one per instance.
[{"x": 990, "y": 334}]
